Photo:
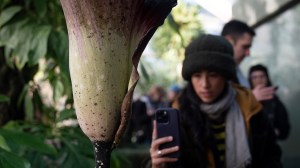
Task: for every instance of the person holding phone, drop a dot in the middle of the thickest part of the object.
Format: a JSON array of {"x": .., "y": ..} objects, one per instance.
[
  {"x": 274, "y": 108},
  {"x": 221, "y": 123}
]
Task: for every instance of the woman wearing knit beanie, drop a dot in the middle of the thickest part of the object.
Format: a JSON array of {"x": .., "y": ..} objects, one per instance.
[
  {"x": 274, "y": 108},
  {"x": 221, "y": 123}
]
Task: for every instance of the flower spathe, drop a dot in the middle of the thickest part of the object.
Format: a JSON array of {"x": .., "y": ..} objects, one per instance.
[{"x": 106, "y": 40}]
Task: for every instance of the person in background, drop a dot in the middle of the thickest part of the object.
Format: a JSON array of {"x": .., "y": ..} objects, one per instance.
[
  {"x": 154, "y": 99},
  {"x": 276, "y": 111},
  {"x": 221, "y": 123},
  {"x": 172, "y": 93},
  {"x": 140, "y": 124},
  {"x": 240, "y": 36}
]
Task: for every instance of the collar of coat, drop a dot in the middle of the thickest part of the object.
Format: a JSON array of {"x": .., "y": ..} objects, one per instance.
[{"x": 248, "y": 104}]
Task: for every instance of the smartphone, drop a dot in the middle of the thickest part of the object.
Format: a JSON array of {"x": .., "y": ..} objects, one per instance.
[
  {"x": 276, "y": 88},
  {"x": 167, "y": 121}
]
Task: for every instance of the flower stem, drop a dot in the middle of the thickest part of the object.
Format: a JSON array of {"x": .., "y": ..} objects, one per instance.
[{"x": 102, "y": 152}]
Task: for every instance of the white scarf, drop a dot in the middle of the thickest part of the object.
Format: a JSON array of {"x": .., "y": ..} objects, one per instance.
[{"x": 237, "y": 147}]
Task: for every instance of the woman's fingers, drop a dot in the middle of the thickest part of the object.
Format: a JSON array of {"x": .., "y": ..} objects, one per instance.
[
  {"x": 159, "y": 160},
  {"x": 158, "y": 156},
  {"x": 161, "y": 153},
  {"x": 159, "y": 141},
  {"x": 156, "y": 143}
]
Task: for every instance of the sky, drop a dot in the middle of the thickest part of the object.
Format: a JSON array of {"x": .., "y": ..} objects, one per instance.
[
  {"x": 222, "y": 9},
  {"x": 215, "y": 14}
]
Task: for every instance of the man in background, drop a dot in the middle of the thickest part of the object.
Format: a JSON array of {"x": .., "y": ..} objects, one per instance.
[{"x": 240, "y": 36}]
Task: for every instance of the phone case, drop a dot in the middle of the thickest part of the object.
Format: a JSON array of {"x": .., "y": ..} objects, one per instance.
[{"x": 167, "y": 120}]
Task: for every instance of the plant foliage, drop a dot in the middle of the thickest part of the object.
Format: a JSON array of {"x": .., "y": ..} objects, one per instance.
[
  {"x": 167, "y": 46},
  {"x": 34, "y": 45}
]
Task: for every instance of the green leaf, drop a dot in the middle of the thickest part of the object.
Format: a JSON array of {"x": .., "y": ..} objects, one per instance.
[
  {"x": 8, "y": 58},
  {"x": 8, "y": 36},
  {"x": 4, "y": 98},
  {"x": 58, "y": 89},
  {"x": 8, "y": 13},
  {"x": 28, "y": 40},
  {"x": 3, "y": 3},
  {"x": 11, "y": 160},
  {"x": 29, "y": 109},
  {"x": 39, "y": 44},
  {"x": 176, "y": 27},
  {"x": 58, "y": 42},
  {"x": 37, "y": 160},
  {"x": 30, "y": 141},
  {"x": 144, "y": 72},
  {"x": 3, "y": 144},
  {"x": 13, "y": 125},
  {"x": 22, "y": 95},
  {"x": 118, "y": 160},
  {"x": 66, "y": 114},
  {"x": 40, "y": 7},
  {"x": 84, "y": 145},
  {"x": 74, "y": 158},
  {"x": 65, "y": 78},
  {"x": 20, "y": 41},
  {"x": 11, "y": 34}
]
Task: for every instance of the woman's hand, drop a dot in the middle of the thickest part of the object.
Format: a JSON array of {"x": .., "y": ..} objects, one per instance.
[
  {"x": 262, "y": 93},
  {"x": 157, "y": 156}
]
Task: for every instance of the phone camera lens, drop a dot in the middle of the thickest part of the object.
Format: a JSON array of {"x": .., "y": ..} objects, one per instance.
[{"x": 162, "y": 117}]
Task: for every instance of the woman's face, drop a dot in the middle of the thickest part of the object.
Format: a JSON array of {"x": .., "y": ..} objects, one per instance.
[
  {"x": 258, "y": 78},
  {"x": 208, "y": 85}
]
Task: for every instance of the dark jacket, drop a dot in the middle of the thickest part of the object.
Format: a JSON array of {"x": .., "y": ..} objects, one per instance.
[
  {"x": 194, "y": 147},
  {"x": 139, "y": 129},
  {"x": 278, "y": 116},
  {"x": 274, "y": 109}
]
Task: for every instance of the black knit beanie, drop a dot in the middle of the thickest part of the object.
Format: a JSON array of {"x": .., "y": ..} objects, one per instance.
[{"x": 209, "y": 52}]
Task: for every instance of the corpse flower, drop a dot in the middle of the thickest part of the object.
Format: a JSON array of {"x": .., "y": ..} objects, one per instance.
[{"x": 106, "y": 40}]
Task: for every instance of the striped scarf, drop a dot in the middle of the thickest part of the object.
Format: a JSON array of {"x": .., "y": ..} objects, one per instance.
[{"x": 237, "y": 147}]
